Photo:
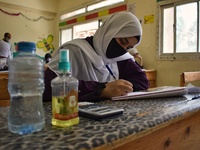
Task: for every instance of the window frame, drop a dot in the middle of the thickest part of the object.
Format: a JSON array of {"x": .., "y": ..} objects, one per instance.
[
  {"x": 60, "y": 33},
  {"x": 99, "y": 19},
  {"x": 72, "y": 27},
  {"x": 175, "y": 56},
  {"x": 73, "y": 12}
]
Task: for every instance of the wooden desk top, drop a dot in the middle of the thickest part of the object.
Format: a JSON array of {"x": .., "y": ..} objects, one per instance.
[
  {"x": 140, "y": 118},
  {"x": 3, "y": 74},
  {"x": 149, "y": 70}
]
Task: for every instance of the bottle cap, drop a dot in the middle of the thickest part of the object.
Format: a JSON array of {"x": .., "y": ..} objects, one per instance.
[
  {"x": 64, "y": 63},
  {"x": 26, "y": 46}
]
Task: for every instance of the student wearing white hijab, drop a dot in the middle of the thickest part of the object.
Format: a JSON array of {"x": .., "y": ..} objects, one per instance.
[{"x": 94, "y": 58}]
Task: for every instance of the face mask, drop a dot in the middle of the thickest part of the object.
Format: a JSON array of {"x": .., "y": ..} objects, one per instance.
[
  {"x": 7, "y": 39},
  {"x": 114, "y": 49},
  {"x": 48, "y": 59}
]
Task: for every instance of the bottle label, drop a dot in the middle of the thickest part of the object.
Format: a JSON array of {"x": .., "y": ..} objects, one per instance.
[{"x": 65, "y": 108}]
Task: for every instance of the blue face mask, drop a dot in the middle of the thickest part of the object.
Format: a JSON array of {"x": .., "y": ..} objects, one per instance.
[{"x": 114, "y": 49}]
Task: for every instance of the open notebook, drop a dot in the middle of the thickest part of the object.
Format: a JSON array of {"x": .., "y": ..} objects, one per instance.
[{"x": 163, "y": 91}]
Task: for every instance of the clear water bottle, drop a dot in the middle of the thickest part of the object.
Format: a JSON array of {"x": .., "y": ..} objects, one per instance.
[
  {"x": 64, "y": 95},
  {"x": 26, "y": 86}
]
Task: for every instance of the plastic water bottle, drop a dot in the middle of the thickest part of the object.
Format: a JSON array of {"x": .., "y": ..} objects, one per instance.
[
  {"x": 64, "y": 95},
  {"x": 26, "y": 86}
]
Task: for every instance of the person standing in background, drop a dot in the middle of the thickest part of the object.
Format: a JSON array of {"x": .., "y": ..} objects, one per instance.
[
  {"x": 5, "y": 51},
  {"x": 136, "y": 55}
]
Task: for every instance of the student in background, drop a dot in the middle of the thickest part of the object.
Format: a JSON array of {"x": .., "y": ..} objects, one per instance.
[
  {"x": 47, "y": 57},
  {"x": 137, "y": 56},
  {"x": 5, "y": 51},
  {"x": 102, "y": 63}
]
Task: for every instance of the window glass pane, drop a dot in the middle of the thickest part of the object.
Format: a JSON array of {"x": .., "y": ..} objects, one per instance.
[
  {"x": 66, "y": 35},
  {"x": 186, "y": 28},
  {"x": 168, "y": 34},
  {"x": 84, "y": 30},
  {"x": 73, "y": 13},
  {"x": 103, "y": 4}
]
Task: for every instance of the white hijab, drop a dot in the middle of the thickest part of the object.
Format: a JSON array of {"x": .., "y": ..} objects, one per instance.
[{"x": 89, "y": 64}]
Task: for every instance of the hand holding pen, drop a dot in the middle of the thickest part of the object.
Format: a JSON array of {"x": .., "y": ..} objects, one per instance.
[{"x": 117, "y": 88}]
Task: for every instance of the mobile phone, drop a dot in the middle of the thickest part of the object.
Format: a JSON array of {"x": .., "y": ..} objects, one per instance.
[{"x": 98, "y": 111}]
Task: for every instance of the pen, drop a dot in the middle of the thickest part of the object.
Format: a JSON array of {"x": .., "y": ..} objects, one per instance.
[
  {"x": 193, "y": 98},
  {"x": 196, "y": 97},
  {"x": 110, "y": 71}
]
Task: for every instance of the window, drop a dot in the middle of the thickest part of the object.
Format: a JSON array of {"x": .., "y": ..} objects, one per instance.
[
  {"x": 79, "y": 31},
  {"x": 103, "y": 4},
  {"x": 66, "y": 35},
  {"x": 75, "y": 28},
  {"x": 86, "y": 29},
  {"x": 179, "y": 36},
  {"x": 73, "y": 13},
  {"x": 89, "y": 8}
]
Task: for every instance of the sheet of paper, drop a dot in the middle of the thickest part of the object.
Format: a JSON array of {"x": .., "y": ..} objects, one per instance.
[
  {"x": 193, "y": 89},
  {"x": 164, "y": 91}
]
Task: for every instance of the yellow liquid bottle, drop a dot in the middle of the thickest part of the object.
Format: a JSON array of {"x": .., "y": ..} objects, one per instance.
[{"x": 64, "y": 95}]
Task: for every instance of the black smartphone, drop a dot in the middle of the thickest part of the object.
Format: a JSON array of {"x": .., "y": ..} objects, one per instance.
[{"x": 98, "y": 111}]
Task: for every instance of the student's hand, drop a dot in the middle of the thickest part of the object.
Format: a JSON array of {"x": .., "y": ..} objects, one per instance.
[
  {"x": 139, "y": 56},
  {"x": 117, "y": 88}
]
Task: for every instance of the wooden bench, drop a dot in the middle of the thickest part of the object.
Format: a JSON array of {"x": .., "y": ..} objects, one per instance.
[
  {"x": 151, "y": 76},
  {"x": 187, "y": 77}
]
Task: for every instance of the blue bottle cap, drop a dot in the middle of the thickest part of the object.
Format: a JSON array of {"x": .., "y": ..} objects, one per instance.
[
  {"x": 64, "y": 63},
  {"x": 26, "y": 46}
]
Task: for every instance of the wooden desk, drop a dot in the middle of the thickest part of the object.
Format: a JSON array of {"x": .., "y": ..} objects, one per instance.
[
  {"x": 151, "y": 124},
  {"x": 151, "y": 76},
  {"x": 4, "y": 94}
]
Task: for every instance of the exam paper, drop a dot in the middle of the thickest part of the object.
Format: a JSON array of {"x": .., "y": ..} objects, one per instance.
[
  {"x": 163, "y": 91},
  {"x": 193, "y": 89}
]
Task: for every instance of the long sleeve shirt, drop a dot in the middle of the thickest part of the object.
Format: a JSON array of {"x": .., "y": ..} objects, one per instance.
[
  {"x": 88, "y": 90},
  {"x": 91, "y": 90}
]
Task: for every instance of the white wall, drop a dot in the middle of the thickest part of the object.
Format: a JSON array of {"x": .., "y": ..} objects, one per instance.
[
  {"x": 66, "y": 5},
  {"x": 23, "y": 29},
  {"x": 45, "y": 5}
]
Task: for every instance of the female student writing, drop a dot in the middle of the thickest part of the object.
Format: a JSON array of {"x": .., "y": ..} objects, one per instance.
[{"x": 91, "y": 57}]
